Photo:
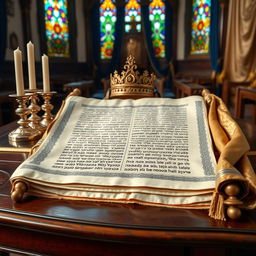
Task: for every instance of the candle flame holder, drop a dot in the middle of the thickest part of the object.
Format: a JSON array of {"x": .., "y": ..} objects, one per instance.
[
  {"x": 24, "y": 132},
  {"x": 34, "y": 108},
  {"x": 47, "y": 107}
]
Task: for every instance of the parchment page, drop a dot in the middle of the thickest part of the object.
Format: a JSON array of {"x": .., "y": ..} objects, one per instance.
[{"x": 151, "y": 142}]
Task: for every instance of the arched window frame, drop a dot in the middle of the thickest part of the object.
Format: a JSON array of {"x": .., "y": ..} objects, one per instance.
[{"x": 72, "y": 32}]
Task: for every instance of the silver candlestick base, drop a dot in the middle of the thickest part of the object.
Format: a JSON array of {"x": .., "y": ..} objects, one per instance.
[{"x": 24, "y": 132}]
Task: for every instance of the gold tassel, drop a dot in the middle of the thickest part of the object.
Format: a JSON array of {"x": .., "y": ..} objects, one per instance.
[{"x": 216, "y": 210}]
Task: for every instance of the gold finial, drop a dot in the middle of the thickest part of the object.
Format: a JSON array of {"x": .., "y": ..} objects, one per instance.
[{"x": 131, "y": 84}]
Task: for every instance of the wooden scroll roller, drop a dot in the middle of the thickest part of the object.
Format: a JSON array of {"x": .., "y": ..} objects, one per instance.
[
  {"x": 21, "y": 187},
  {"x": 18, "y": 191},
  {"x": 232, "y": 203},
  {"x": 75, "y": 92}
]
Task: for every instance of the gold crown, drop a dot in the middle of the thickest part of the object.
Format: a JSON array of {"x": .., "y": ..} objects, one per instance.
[{"x": 131, "y": 84}]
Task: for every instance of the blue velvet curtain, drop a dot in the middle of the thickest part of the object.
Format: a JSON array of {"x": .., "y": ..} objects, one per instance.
[
  {"x": 214, "y": 35},
  {"x": 95, "y": 30},
  {"x": 3, "y": 32},
  {"x": 119, "y": 30},
  {"x": 214, "y": 40},
  {"x": 162, "y": 70},
  {"x": 105, "y": 67}
]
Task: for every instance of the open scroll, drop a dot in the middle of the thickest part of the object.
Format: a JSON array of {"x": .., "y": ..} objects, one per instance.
[{"x": 150, "y": 151}]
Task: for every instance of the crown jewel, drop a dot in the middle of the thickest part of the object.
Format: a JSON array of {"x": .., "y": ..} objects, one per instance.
[{"x": 131, "y": 83}]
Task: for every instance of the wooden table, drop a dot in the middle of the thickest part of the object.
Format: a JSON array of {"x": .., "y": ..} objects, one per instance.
[{"x": 63, "y": 227}]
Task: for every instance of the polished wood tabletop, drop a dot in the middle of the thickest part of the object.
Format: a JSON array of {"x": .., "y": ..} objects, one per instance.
[{"x": 65, "y": 227}]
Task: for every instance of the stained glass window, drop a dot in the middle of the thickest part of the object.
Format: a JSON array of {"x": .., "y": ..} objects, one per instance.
[
  {"x": 56, "y": 26},
  {"x": 157, "y": 18},
  {"x": 132, "y": 16},
  {"x": 107, "y": 28},
  {"x": 200, "y": 34}
]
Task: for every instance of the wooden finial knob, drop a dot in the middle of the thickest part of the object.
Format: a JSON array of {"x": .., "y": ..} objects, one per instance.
[
  {"x": 19, "y": 189},
  {"x": 232, "y": 190},
  {"x": 16, "y": 196},
  {"x": 205, "y": 92},
  {"x": 233, "y": 213},
  {"x": 233, "y": 203},
  {"x": 75, "y": 92}
]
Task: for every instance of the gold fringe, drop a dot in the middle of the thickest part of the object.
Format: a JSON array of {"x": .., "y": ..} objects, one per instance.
[{"x": 216, "y": 210}]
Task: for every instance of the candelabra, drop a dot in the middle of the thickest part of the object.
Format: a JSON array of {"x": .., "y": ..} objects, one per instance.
[
  {"x": 24, "y": 132},
  {"x": 47, "y": 107}
]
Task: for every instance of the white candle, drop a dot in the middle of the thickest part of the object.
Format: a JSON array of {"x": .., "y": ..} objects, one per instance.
[
  {"x": 31, "y": 66},
  {"x": 46, "y": 79},
  {"x": 18, "y": 72}
]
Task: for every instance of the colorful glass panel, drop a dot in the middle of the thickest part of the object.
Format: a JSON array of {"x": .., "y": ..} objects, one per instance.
[
  {"x": 132, "y": 15},
  {"x": 157, "y": 18},
  {"x": 200, "y": 35},
  {"x": 107, "y": 28},
  {"x": 56, "y": 26}
]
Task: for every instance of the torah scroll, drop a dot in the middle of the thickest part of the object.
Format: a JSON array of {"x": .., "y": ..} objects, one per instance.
[{"x": 151, "y": 151}]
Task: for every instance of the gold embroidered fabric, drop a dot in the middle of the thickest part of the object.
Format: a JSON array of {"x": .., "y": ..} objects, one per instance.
[
  {"x": 253, "y": 82},
  {"x": 231, "y": 146}
]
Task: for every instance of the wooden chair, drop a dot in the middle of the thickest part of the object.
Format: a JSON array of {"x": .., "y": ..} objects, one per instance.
[
  {"x": 184, "y": 88},
  {"x": 242, "y": 94},
  {"x": 191, "y": 81},
  {"x": 228, "y": 90}
]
